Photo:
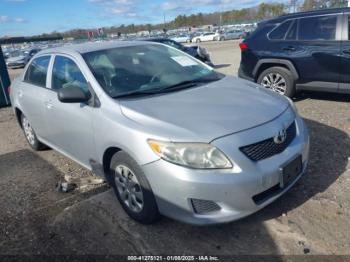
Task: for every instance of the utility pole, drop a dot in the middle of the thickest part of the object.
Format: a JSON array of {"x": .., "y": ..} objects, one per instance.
[{"x": 293, "y": 4}]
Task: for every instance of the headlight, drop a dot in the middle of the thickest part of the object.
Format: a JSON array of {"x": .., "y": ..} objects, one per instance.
[{"x": 194, "y": 155}]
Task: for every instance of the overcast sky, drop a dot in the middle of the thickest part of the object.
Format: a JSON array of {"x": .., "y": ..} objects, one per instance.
[{"x": 28, "y": 17}]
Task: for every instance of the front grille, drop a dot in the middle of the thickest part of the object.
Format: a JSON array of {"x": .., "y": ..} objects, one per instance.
[
  {"x": 204, "y": 206},
  {"x": 268, "y": 148}
]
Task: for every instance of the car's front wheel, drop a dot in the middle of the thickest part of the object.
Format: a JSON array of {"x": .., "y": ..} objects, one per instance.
[
  {"x": 278, "y": 79},
  {"x": 132, "y": 189},
  {"x": 30, "y": 135},
  {"x": 198, "y": 40}
]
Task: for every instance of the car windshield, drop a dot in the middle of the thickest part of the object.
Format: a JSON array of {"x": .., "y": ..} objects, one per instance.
[
  {"x": 146, "y": 69},
  {"x": 17, "y": 53}
]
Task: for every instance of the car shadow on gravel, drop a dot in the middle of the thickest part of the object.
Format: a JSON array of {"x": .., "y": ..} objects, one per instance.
[
  {"x": 29, "y": 201},
  {"x": 322, "y": 96},
  {"x": 221, "y": 66}
]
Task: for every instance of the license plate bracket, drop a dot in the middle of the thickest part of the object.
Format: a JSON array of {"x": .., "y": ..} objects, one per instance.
[{"x": 291, "y": 171}]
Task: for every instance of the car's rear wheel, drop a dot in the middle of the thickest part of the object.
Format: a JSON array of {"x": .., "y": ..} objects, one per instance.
[
  {"x": 198, "y": 40},
  {"x": 132, "y": 189},
  {"x": 222, "y": 38},
  {"x": 30, "y": 135},
  {"x": 278, "y": 79}
]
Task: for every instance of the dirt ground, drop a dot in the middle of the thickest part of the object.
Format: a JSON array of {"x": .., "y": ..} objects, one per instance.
[{"x": 312, "y": 218}]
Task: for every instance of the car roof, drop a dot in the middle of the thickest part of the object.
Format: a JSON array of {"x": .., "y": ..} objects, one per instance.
[
  {"x": 282, "y": 18},
  {"x": 91, "y": 47}
]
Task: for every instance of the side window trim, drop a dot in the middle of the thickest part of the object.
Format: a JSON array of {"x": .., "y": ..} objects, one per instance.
[
  {"x": 277, "y": 26},
  {"x": 23, "y": 79},
  {"x": 345, "y": 27},
  {"x": 339, "y": 33},
  {"x": 49, "y": 72},
  {"x": 289, "y": 28}
]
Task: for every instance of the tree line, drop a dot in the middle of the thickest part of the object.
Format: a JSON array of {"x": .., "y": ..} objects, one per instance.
[{"x": 245, "y": 15}]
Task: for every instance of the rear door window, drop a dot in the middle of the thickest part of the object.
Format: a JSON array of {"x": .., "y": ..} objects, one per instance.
[
  {"x": 37, "y": 71},
  {"x": 318, "y": 28},
  {"x": 280, "y": 31}
]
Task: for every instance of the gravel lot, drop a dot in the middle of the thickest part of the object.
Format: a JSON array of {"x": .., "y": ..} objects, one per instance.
[{"x": 312, "y": 218}]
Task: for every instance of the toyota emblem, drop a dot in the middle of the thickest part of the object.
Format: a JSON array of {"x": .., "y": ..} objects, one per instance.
[{"x": 280, "y": 137}]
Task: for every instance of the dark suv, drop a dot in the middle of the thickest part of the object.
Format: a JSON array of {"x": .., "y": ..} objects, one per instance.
[{"x": 302, "y": 51}]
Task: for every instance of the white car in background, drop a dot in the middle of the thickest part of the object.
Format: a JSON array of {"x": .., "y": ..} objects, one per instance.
[
  {"x": 209, "y": 36},
  {"x": 183, "y": 38}
]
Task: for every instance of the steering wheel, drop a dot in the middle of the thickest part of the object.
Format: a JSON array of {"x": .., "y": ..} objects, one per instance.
[{"x": 156, "y": 75}]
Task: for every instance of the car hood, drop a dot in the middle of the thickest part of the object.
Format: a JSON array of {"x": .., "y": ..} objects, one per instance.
[
  {"x": 15, "y": 59},
  {"x": 206, "y": 112}
]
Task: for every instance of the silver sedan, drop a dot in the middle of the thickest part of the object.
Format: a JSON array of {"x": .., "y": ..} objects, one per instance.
[{"x": 171, "y": 135}]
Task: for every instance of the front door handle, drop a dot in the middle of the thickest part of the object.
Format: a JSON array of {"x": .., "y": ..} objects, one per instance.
[
  {"x": 289, "y": 48},
  {"x": 347, "y": 52},
  {"x": 49, "y": 104}
]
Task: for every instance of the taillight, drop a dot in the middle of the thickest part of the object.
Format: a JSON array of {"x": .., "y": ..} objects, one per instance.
[{"x": 243, "y": 46}]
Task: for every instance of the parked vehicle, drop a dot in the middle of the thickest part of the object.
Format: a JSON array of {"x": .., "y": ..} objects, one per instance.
[
  {"x": 20, "y": 58},
  {"x": 209, "y": 36},
  {"x": 198, "y": 52},
  {"x": 302, "y": 51},
  {"x": 183, "y": 38},
  {"x": 229, "y": 35},
  {"x": 171, "y": 135}
]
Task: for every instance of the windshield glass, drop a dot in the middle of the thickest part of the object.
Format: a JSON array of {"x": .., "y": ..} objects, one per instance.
[
  {"x": 145, "y": 68},
  {"x": 17, "y": 53}
]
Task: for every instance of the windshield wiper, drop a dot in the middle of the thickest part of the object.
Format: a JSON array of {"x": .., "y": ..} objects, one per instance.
[
  {"x": 175, "y": 87},
  {"x": 189, "y": 83},
  {"x": 137, "y": 93}
]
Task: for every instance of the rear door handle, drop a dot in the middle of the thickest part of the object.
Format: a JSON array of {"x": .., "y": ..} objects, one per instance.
[
  {"x": 289, "y": 48},
  {"x": 347, "y": 52}
]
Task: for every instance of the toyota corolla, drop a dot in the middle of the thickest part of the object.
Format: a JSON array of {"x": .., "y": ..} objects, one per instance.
[{"x": 171, "y": 135}]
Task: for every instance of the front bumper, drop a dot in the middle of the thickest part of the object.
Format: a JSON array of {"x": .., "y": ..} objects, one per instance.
[
  {"x": 16, "y": 64},
  {"x": 232, "y": 190}
]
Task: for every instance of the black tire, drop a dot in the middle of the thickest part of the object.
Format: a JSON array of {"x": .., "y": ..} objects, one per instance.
[
  {"x": 34, "y": 143},
  {"x": 198, "y": 40},
  {"x": 222, "y": 39},
  {"x": 286, "y": 74},
  {"x": 149, "y": 213}
]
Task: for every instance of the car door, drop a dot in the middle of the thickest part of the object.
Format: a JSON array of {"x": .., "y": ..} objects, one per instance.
[
  {"x": 315, "y": 51},
  {"x": 344, "y": 85},
  {"x": 70, "y": 124},
  {"x": 210, "y": 36},
  {"x": 231, "y": 35},
  {"x": 32, "y": 94},
  {"x": 204, "y": 37}
]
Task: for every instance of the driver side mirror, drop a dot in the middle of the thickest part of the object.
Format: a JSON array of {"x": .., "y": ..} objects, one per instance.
[{"x": 73, "y": 94}]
